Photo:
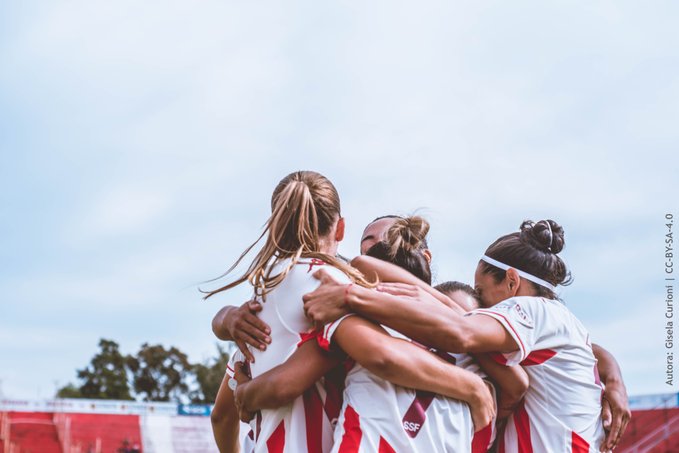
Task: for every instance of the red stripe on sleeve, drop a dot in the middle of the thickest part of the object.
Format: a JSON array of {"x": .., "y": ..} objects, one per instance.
[
  {"x": 538, "y": 357},
  {"x": 307, "y": 336},
  {"x": 498, "y": 357},
  {"x": 385, "y": 447},
  {"x": 578, "y": 444},
  {"x": 522, "y": 423},
  {"x": 313, "y": 415},
  {"x": 351, "y": 440},
  {"x": 276, "y": 443}
]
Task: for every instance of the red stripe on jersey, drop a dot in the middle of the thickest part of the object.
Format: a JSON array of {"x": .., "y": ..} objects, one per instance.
[
  {"x": 276, "y": 443},
  {"x": 522, "y": 424},
  {"x": 416, "y": 414},
  {"x": 538, "y": 357},
  {"x": 481, "y": 440},
  {"x": 313, "y": 415},
  {"x": 322, "y": 338},
  {"x": 578, "y": 444},
  {"x": 307, "y": 336},
  {"x": 351, "y": 440},
  {"x": 385, "y": 447},
  {"x": 498, "y": 357}
]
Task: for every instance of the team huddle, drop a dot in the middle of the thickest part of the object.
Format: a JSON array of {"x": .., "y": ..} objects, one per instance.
[{"x": 367, "y": 356}]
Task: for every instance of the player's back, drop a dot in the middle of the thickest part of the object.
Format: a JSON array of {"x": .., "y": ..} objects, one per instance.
[{"x": 291, "y": 428}]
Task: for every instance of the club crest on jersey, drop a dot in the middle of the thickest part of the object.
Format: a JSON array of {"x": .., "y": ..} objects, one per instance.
[{"x": 523, "y": 317}]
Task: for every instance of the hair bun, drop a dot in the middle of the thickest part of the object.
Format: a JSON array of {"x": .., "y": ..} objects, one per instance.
[
  {"x": 408, "y": 233},
  {"x": 545, "y": 235}
]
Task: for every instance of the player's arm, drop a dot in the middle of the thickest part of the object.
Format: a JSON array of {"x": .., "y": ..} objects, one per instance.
[
  {"x": 282, "y": 384},
  {"x": 615, "y": 412},
  {"x": 405, "y": 364},
  {"x": 225, "y": 420},
  {"x": 411, "y": 311},
  {"x": 382, "y": 271},
  {"x": 511, "y": 383}
]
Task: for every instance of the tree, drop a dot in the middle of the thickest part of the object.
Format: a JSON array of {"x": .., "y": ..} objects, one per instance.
[
  {"x": 104, "y": 378},
  {"x": 209, "y": 375},
  {"x": 160, "y": 374},
  {"x": 69, "y": 391}
]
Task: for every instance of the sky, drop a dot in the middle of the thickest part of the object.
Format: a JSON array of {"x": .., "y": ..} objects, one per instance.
[{"x": 140, "y": 143}]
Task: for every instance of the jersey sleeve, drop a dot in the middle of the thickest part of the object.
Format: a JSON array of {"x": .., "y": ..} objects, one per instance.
[
  {"x": 326, "y": 333},
  {"x": 519, "y": 318},
  {"x": 231, "y": 365}
]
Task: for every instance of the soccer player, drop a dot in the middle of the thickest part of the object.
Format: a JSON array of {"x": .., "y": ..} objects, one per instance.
[
  {"x": 302, "y": 235},
  {"x": 523, "y": 320}
]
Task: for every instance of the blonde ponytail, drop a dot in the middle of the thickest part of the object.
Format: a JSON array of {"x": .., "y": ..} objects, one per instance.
[{"x": 304, "y": 207}]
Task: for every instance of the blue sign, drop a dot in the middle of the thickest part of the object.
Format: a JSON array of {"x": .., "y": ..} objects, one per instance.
[{"x": 201, "y": 410}]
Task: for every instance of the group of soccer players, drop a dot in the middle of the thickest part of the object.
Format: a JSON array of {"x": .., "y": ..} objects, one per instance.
[{"x": 367, "y": 356}]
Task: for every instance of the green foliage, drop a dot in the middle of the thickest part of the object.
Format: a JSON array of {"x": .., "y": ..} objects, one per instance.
[
  {"x": 209, "y": 375},
  {"x": 153, "y": 374},
  {"x": 69, "y": 391},
  {"x": 106, "y": 376},
  {"x": 160, "y": 374}
]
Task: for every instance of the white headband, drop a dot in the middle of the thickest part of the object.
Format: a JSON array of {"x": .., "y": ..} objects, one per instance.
[{"x": 523, "y": 274}]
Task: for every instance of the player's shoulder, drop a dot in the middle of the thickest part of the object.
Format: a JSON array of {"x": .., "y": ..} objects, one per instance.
[
  {"x": 526, "y": 307},
  {"x": 311, "y": 265}
]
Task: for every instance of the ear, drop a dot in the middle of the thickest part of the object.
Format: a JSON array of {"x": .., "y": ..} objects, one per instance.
[
  {"x": 512, "y": 280},
  {"x": 427, "y": 255},
  {"x": 339, "y": 231}
]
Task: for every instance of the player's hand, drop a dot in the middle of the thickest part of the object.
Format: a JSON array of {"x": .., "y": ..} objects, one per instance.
[
  {"x": 615, "y": 414},
  {"x": 327, "y": 303},
  {"x": 482, "y": 406},
  {"x": 246, "y": 328},
  {"x": 242, "y": 376}
]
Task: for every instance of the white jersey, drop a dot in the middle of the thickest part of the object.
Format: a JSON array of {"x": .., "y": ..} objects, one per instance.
[
  {"x": 561, "y": 411},
  {"x": 378, "y": 416},
  {"x": 306, "y": 424}
]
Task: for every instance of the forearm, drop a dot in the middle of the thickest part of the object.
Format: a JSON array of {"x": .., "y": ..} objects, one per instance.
[
  {"x": 511, "y": 383},
  {"x": 282, "y": 384},
  {"x": 387, "y": 272},
  {"x": 403, "y": 363},
  {"x": 224, "y": 419},
  {"x": 414, "y": 367},
  {"x": 609, "y": 370},
  {"x": 428, "y": 323},
  {"x": 219, "y": 324}
]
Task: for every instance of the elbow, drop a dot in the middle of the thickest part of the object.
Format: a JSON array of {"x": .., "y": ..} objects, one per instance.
[
  {"x": 456, "y": 339},
  {"x": 221, "y": 416},
  {"x": 385, "y": 363},
  {"x": 218, "y": 329}
]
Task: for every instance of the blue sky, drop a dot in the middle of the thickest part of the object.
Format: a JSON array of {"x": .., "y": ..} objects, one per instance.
[{"x": 140, "y": 143}]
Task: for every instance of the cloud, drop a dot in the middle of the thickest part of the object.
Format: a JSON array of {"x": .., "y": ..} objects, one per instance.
[{"x": 145, "y": 140}]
